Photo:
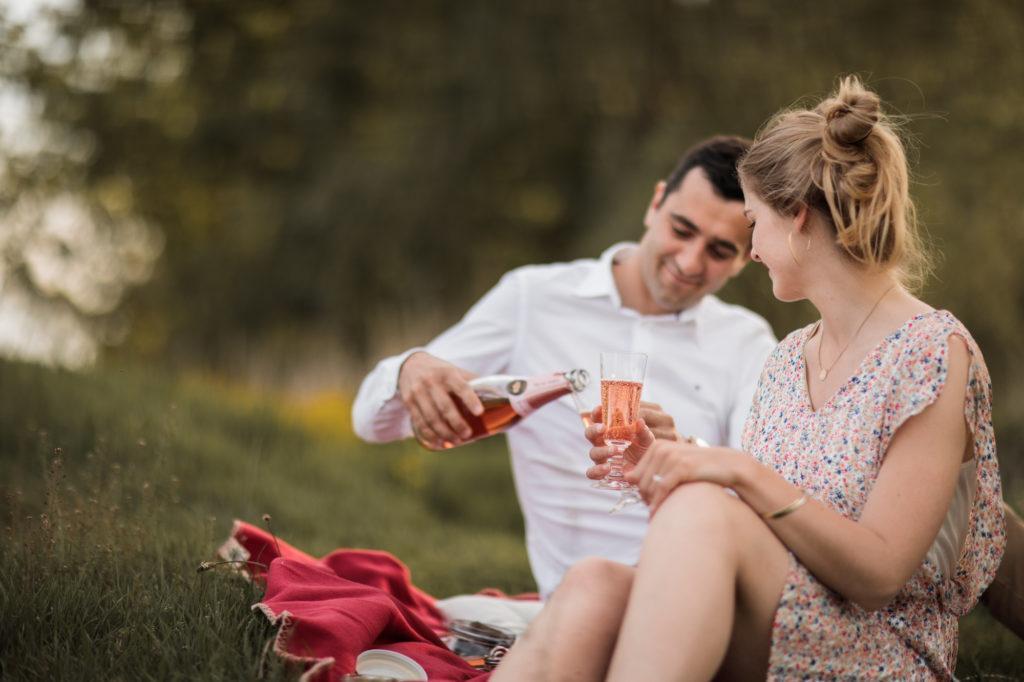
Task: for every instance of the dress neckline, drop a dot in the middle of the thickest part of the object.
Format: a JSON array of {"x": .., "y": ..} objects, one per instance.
[{"x": 874, "y": 352}]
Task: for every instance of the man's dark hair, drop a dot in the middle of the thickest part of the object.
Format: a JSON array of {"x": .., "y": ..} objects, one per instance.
[{"x": 718, "y": 156}]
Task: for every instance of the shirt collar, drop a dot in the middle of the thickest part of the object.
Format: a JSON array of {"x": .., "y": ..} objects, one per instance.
[{"x": 600, "y": 282}]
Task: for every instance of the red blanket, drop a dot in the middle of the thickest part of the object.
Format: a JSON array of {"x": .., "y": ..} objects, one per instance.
[{"x": 331, "y": 609}]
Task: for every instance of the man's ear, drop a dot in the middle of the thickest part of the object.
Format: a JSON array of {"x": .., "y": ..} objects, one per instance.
[
  {"x": 659, "y": 194},
  {"x": 656, "y": 200}
]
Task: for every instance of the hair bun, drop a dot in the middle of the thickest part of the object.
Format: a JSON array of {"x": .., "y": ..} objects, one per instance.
[{"x": 851, "y": 114}]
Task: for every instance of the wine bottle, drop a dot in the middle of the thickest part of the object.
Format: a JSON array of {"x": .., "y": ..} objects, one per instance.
[{"x": 508, "y": 399}]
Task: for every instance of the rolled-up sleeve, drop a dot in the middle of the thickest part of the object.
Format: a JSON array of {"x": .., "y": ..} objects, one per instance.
[{"x": 482, "y": 342}]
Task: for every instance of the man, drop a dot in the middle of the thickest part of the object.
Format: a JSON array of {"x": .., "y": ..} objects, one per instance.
[{"x": 655, "y": 297}]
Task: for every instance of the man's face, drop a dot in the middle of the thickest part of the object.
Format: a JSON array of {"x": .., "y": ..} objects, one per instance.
[{"x": 695, "y": 241}]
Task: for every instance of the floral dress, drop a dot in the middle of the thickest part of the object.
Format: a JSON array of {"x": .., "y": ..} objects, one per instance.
[{"x": 834, "y": 455}]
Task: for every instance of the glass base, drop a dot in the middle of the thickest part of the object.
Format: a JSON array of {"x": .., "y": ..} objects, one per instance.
[
  {"x": 613, "y": 484},
  {"x": 627, "y": 498}
]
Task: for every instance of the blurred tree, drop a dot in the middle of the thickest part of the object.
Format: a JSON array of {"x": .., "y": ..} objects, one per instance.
[
  {"x": 359, "y": 172},
  {"x": 69, "y": 248}
]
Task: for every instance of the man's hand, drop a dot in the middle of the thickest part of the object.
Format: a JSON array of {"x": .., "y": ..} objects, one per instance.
[
  {"x": 658, "y": 421},
  {"x": 429, "y": 387}
]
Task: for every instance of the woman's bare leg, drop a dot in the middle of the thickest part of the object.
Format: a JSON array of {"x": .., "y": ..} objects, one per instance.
[
  {"x": 705, "y": 592},
  {"x": 573, "y": 636}
]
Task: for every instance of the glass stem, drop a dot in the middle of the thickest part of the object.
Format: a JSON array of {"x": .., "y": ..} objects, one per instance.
[{"x": 616, "y": 462}]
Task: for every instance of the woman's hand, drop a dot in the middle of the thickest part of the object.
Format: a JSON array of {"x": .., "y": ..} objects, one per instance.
[
  {"x": 643, "y": 438},
  {"x": 666, "y": 465},
  {"x": 654, "y": 423}
]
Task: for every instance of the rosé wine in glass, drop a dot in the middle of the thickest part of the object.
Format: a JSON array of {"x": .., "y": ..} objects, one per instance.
[
  {"x": 620, "y": 403},
  {"x": 622, "y": 380}
]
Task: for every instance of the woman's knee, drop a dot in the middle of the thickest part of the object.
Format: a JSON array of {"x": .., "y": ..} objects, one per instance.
[
  {"x": 597, "y": 575},
  {"x": 705, "y": 507}
]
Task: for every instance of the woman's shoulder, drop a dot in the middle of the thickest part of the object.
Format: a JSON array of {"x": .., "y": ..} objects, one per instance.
[
  {"x": 919, "y": 354},
  {"x": 798, "y": 336},
  {"x": 793, "y": 342},
  {"x": 788, "y": 351},
  {"x": 931, "y": 330}
]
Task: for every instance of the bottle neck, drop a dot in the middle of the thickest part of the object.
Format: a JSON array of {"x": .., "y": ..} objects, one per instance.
[{"x": 539, "y": 392}]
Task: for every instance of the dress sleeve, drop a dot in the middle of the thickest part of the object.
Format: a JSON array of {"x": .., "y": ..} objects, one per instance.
[
  {"x": 986, "y": 539},
  {"x": 918, "y": 378},
  {"x": 752, "y": 425},
  {"x": 920, "y": 368}
]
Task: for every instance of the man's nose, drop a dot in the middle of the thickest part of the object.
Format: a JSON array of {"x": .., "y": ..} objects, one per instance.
[{"x": 690, "y": 260}]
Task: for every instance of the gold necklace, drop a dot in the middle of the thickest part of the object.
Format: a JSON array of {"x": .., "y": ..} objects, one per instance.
[{"x": 823, "y": 373}]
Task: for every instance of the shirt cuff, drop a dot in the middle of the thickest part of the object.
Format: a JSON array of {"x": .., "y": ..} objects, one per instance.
[{"x": 395, "y": 369}]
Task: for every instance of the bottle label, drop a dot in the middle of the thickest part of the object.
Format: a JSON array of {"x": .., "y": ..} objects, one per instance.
[
  {"x": 516, "y": 387},
  {"x": 531, "y": 394}
]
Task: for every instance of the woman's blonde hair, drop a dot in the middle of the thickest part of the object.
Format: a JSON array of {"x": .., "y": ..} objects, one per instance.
[{"x": 844, "y": 159}]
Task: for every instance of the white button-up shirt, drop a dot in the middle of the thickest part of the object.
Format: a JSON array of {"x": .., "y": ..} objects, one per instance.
[{"x": 703, "y": 365}]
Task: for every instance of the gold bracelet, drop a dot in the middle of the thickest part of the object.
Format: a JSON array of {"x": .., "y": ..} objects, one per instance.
[{"x": 787, "y": 510}]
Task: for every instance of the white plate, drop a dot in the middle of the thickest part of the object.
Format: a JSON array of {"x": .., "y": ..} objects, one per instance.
[{"x": 386, "y": 663}]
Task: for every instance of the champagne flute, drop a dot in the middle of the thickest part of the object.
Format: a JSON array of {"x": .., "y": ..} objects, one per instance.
[{"x": 622, "y": 381}]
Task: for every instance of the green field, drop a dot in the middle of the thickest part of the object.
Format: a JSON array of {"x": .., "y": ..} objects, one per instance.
[{"x": 115, "y": 484}]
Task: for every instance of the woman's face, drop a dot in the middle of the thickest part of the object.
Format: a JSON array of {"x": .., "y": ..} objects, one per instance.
[{"x": 770, "y": 246}]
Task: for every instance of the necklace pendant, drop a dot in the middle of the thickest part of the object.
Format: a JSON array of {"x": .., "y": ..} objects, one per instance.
[{"x": 822, "y": 374}]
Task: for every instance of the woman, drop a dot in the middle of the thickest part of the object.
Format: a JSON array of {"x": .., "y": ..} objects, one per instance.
[{"x": 866, "y": 516}]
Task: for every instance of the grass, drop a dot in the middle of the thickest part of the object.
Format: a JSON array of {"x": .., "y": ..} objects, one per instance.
[{"x": 115, "y": 484}]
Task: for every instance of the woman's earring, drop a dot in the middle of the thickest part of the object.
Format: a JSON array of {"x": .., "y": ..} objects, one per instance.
[{"x": 789, "y": 242}]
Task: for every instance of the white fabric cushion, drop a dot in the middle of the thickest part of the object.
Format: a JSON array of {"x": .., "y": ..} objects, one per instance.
[{"x": 508, "y": 614}]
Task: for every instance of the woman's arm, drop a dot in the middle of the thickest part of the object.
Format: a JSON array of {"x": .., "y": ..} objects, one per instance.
[{"x": 869, "y": 560}]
